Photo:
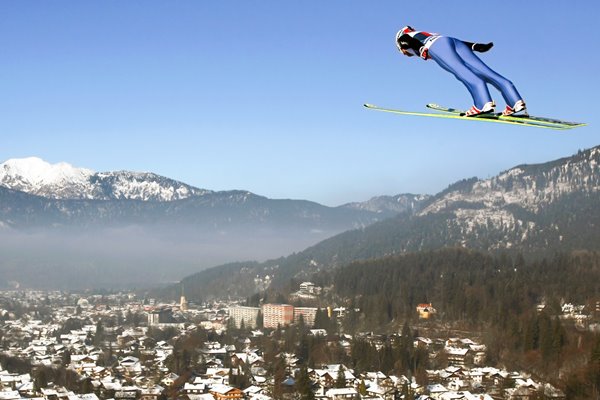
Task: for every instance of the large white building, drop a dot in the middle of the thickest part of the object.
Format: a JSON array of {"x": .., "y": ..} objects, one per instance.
[{"x": 248, "y": 315}]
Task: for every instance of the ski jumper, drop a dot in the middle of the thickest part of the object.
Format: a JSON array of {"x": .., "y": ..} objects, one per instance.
[{"x": 458, "y": 58}]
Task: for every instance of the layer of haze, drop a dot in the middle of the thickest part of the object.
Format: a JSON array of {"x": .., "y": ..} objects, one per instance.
[{"x": 130, "y": 256}]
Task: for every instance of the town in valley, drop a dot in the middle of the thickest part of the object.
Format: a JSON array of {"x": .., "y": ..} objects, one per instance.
[{"x": 71, "y": 346}]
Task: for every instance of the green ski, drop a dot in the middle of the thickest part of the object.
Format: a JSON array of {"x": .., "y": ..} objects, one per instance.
[
  {"x": 483, "y": 118},
  {"x": 538, "y": 120}
]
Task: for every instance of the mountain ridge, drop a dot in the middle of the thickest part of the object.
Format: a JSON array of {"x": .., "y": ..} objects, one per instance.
[
  {"x": 536, "y": 210},
  {"x": 124, "y": 222},
  {"x": 62, "y": 181}
]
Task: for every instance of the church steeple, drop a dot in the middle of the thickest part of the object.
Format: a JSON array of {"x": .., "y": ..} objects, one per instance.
[{"x": 182, "y": 301}]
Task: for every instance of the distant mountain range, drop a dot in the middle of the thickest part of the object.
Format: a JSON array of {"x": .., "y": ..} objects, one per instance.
[
  {"x": 64, "y": 227},
  {"x": 536, "y": 210},
  {"x": 38, "y": 194},
  {"x": 55, "y": 217}
]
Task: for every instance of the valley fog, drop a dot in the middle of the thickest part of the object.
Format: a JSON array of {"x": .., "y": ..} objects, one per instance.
[{"x": 132, "y": 256}]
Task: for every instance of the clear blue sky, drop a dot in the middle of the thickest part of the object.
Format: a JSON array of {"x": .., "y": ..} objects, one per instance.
[{"x": 267, "y": 95}]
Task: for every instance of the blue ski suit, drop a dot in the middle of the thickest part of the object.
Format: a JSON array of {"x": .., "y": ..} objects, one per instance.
[{"x": 457, "y": 57}]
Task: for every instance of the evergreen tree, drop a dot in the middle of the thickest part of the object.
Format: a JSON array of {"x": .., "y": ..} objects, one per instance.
[
  {"x": 546, "y": 337},
  {"x": 304, "y": 384},
  {"x": 99, "y": 335},
  {"x": 404, "y": 351},
  {"x": 40, "y": 380},
  {"x": 386, "y": 363},
  {"x": 322, "y": 320},
  {"x": 87, "y": 386},
  {"x": 303, "y": 350},
  {"x": 340, "y": 381},
  {"x": 351, "y": 322},
  {"x": 66, "y": 357},
  {"x": 593, "y": 368},
  {"x": 259, "y": 320},
  {"x": 279, "y": 371}
]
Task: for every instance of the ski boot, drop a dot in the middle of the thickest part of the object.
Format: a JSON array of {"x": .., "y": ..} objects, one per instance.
[
  {"x": 518, "y": 110},
  {"x": 488, "y": 108}
]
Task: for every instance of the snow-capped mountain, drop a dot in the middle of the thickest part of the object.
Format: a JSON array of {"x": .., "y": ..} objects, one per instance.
[
  {"x": 68, "y": 227},
  {"x": 63, "y": 181},
  {"x": 36, "y": 176}
]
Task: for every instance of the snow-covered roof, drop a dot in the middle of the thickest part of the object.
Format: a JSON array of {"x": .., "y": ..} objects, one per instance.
[
  {"x": 221, "y": 389},
  {"x": 436, "y": 388},
  {"x": 9, "y": 395},
  {"x": 252, "y": 390},
  {"x": 201, "y": 396},
  {"x": 341, "y": 392},
  {"x": 455, "y": 351}
]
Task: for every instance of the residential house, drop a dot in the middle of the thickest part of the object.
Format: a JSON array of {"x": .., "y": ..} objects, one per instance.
[
  {"x": 425, "y": 310},
  {"x": 252, "y": 391},
  {"x": 108, "y": 388},
  {"x": 151, "y": 393},
  {"x": 127, "y": 393},
  {"x": 191, "y": 388},
  {"x": 324, "y": 377},
  {"x": 381, "y": 392},
  {"x": 247, "y": 358},
  {"x": 88, "y": 396},
  {"x": 217, "y": 376},
  {"x": 457, "y": 385},
  {"x": 476, "y": 377},
  {"x": 307, "y": 288},
  {"x": 423, "y": 342},
  {"x": 342, "y": 394},
  {"x": 49, "y": 393},
  {"x": 436, "y": 390},
  {"x": 202, "y": 396},
  {"x": 10, "y": 395},
  {"x": 26, "y": 389},
  {"x": 479, "y": 354},
  {"x": 225, "y": 392},
  {"x": 457, "y": 356},
  {"x": 520, "y": 393}
]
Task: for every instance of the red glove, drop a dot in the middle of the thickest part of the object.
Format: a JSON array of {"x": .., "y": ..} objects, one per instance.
[{"x": 424, "y": 52}]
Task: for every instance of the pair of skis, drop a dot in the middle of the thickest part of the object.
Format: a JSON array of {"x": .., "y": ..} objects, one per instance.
[{"x": 453, "y": 113}]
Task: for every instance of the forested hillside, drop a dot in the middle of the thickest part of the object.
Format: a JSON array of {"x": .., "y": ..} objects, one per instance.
[
  {"x": 466, "y": 284},
  {"x": 496, "y": 295},
  {"x": 534, "y": 210}
]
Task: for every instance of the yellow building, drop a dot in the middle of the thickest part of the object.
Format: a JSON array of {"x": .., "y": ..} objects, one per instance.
[{"x": 425, "y": 310}]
